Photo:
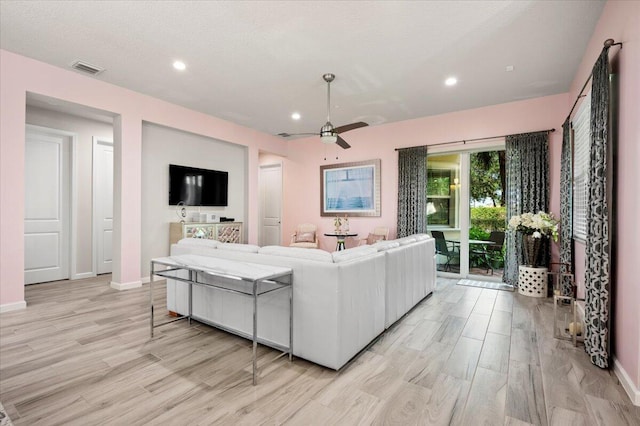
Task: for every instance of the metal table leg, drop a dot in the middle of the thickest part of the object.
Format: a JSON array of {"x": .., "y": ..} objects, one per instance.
[
  {"x": 290, "y": 322},
  {"x": 151, "y": 300},
  {"x": 255, "y": 330}
]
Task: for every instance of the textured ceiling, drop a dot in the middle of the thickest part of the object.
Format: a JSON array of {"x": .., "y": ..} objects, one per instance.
[{"x": 254, "y": 63}]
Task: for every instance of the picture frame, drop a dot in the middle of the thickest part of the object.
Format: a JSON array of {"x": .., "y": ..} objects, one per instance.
[{"x": 351, "y": 189}]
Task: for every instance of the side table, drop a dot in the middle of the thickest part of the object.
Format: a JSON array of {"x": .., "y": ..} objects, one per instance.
[
  {"x": 532, "y": 282},
  {"x": 340, "y": 237}
]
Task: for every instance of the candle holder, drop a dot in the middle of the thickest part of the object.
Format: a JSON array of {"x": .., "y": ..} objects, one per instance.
[{"x": 565, "y": 326}]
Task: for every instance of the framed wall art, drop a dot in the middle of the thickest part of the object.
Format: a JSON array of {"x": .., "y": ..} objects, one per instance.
[{"x": 350, "y": 189}]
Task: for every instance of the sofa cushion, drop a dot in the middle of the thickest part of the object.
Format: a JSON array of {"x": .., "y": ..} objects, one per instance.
[
  {"x": 406, "y": 240},
  {"x": 352, "y": 253},
  {"x": 305, "y": 237},
  {"x": 298, "y": 253},
  {"x": 386, "y": 245},
  {"x": 202, "y": 242},
  {"x": 421, "y": 237},
  {"x": 248, "y": 248}
]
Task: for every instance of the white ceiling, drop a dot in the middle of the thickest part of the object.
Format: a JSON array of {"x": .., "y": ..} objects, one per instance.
[{"x": 254, "y": 63}]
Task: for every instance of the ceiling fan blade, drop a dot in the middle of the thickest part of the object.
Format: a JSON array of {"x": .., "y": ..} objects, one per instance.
[
  {"x": 351, "y": 126},
  {"x": 341, "y": 142},
  {"x": 287, "y": 135}
]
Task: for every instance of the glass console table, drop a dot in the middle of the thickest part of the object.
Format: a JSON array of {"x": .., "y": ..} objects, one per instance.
[{"x": 247, "y": 279}]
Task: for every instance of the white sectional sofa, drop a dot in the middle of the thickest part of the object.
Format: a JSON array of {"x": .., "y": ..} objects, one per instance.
[{"x": 342, "y": 300}]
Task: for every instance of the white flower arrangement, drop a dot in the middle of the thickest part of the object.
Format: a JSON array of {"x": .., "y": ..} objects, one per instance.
[{"x": 537, "y": 225}]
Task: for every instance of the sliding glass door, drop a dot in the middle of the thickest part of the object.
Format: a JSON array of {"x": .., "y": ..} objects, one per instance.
[{"x": 465, "y": 212}]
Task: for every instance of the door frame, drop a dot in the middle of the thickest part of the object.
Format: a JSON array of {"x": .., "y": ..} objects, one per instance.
[
  {"x": 464, "y": 152},
  {"x": 94, "y": 201},
  {"x": 73, "y": 194},
  {"x": 278, "y": 164}
]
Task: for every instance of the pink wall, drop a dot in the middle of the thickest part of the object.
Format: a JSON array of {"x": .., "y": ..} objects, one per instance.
[
  {"x": 620, "y": 20},
  {"x": 302, "y": 167},
  {"x": 19, "y": 75}
]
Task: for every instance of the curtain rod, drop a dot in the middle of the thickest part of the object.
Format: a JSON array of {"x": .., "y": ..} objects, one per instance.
[
  {"x": 464, "y": 141},
  {"x": 607, "y": 44}
]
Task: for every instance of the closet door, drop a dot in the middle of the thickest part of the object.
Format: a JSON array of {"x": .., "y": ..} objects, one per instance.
[{"x": 46, "y": 215}]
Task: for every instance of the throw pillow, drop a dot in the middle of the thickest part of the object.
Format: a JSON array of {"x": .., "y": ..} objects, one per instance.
[
  {"x": 306, "y": 237},
  {"x": 373, "y": 238}
]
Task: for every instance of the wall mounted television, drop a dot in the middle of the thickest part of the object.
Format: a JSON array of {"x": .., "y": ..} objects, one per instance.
[{"x": 197, "y": 187}]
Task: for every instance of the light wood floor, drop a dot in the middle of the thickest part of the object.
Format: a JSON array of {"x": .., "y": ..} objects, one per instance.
[{"x": 80, "y": 354}]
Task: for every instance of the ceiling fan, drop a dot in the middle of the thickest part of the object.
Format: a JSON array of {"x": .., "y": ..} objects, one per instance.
[{"x": 329, "y": 134}]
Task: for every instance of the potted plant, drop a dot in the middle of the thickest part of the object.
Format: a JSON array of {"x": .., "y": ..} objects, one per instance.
[{"x": 535, "y": 229}]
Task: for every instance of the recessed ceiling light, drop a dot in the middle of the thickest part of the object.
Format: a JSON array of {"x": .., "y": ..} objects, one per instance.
[
  {"x": 179, "y": 65},
  {"x": 509, "y": 68},
  {"x": 296, "y": 116},
  {"x": 451, "y": 81}
]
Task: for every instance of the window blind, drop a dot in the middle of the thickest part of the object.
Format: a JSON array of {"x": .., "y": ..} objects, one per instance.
[{"x": 581, "y": 145}]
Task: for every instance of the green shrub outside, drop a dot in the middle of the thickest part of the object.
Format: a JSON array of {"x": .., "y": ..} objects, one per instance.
[
  {"x": 476, "y": 233},
  {"x": 483, "y": 221},
  {"x": 489, "y": 219}
]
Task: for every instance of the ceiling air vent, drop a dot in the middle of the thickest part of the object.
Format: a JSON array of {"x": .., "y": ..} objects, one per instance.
[{"x": 86, "y": 68}]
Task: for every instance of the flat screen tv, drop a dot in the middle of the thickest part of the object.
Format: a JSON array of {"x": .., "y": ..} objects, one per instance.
[{"x": 197, "y": 187}]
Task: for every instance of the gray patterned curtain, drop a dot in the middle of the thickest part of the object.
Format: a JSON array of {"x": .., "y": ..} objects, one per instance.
[
  {"x": 527, "y": 164},
  {"x": 566, "y": 208},
  {"x": 597, "y": 303},
  {"x": 412, "y": 191}
]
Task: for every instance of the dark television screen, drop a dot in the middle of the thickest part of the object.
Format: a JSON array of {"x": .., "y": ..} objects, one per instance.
[{"x": 197, "y": 187}]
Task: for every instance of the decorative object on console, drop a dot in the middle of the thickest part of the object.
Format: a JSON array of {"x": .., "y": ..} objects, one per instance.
[
  {"x": 181, "y": 211},
  {"x": 211, "y": 218},
  {"x": 350, "y": 188}
]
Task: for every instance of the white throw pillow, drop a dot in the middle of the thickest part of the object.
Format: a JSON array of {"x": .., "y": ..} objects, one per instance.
[{"x": 297, "y": 252}]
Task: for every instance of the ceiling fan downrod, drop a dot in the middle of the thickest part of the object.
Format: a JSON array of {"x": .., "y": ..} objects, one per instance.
[{"x": 327, "y": 133}]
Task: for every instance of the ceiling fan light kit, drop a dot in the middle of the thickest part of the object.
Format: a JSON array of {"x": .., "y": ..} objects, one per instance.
[{"x": 328, "y": 134}]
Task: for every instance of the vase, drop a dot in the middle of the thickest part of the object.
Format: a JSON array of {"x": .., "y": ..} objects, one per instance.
[{"x": 531, "y": 248}]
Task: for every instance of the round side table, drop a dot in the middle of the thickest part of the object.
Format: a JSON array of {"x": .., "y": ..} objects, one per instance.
[
  {"x": 340, "y": 237},
  {"x": 532, "y": 282}
]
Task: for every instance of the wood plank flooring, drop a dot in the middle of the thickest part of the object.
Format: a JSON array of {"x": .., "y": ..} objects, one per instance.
[{"x": 80, "y": 354}]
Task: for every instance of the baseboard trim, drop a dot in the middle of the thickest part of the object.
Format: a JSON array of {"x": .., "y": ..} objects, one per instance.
[
  {"x": 145, "y": 280},
  {"x": 15, "y": 306},
  {"x": 83, "y": 275},
  {"x": 125, "y": 286},
  {"x": 626, "y": 382}
]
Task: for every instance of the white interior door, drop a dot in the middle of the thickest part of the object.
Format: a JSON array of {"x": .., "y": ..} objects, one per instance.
[
  {"x": 270, "y": 204},
  {"x": 103, "y": 204},
  {"x": 47, "y": 200}
]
